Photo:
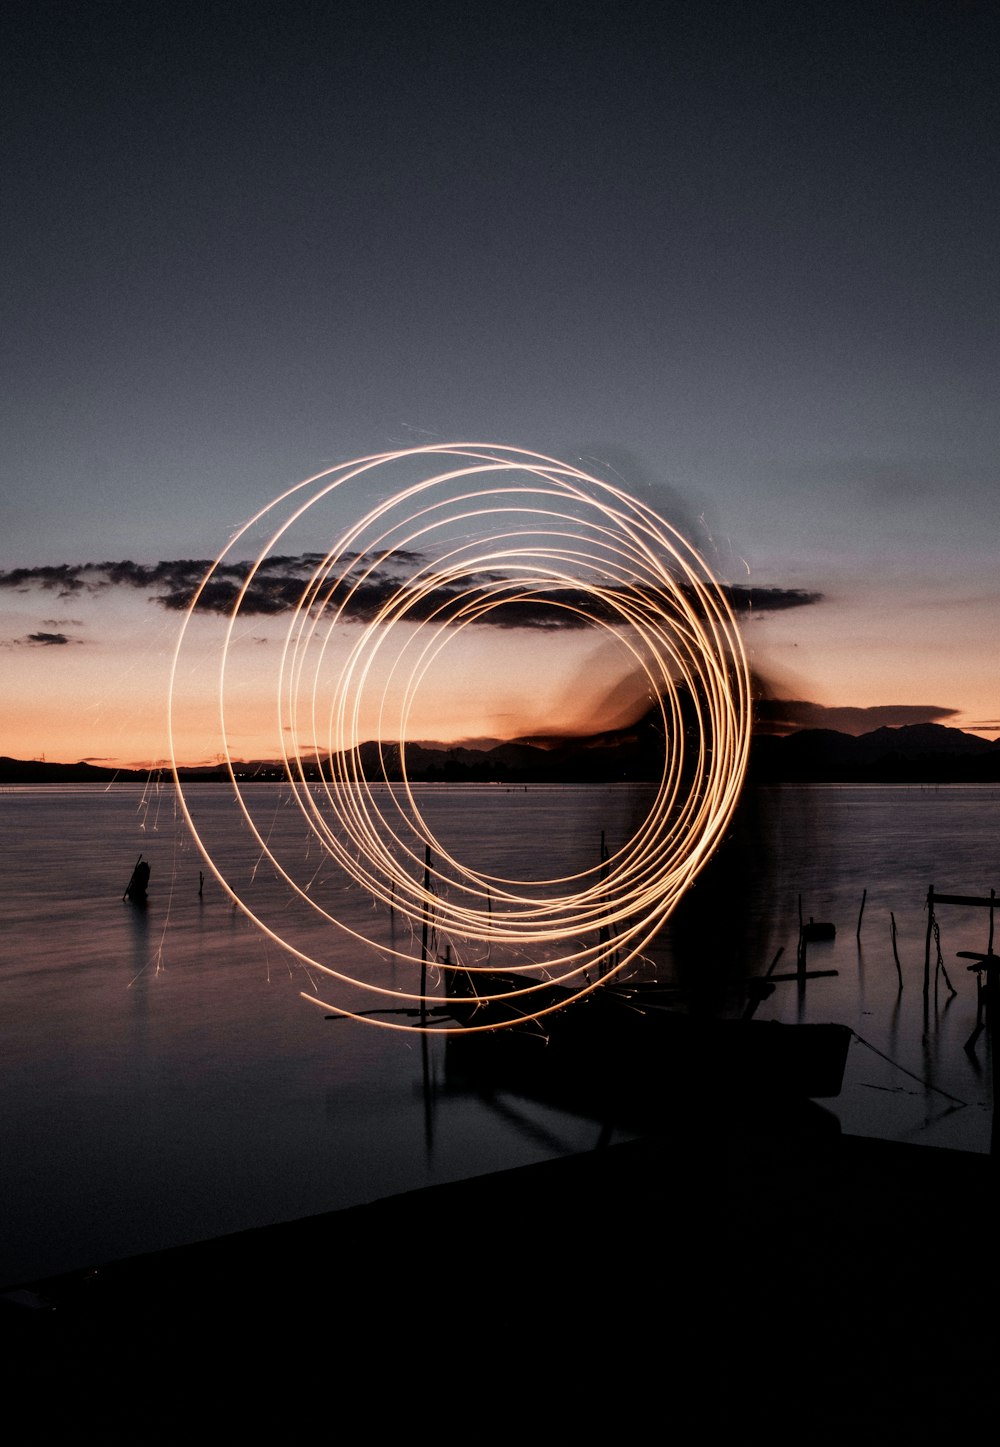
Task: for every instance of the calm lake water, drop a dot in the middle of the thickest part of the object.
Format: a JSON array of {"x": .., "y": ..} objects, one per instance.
[{"x": 162, "y": 1080}]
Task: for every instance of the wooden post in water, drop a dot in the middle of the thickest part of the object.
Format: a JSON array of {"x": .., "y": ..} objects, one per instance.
[
  {"x": 895, "y": 951},
  {"x": 927, "y": 943},
  {"x": 993, "y": 895},
  {"x": 861, "y": 911}
]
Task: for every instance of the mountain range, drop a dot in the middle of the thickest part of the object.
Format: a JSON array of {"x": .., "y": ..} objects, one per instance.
[{"x": 915, "y": 753}]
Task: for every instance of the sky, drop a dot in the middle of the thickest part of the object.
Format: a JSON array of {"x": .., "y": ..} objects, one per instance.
[{"x": 738, "y": 258}]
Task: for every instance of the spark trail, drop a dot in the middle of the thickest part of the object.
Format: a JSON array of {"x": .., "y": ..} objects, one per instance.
[{"x": 468, "y": 531}]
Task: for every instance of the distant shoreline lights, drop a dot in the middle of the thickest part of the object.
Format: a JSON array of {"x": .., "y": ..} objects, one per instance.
[{"x": 462, "y": 532}]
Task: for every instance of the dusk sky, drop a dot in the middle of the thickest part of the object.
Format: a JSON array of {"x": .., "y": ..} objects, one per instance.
[{"x": 740, "y": 258}]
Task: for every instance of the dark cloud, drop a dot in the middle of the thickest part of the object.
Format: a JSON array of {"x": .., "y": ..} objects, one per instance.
[
  {"x": 65, "y": 579},
  {"x": 63, "y": 623},
  {"x": 282, "y": 583},
  {"x": 769, "y": 600},
  {"x": 48, "y": 640},
  {"x": 785, "y": 715},
  {"x": 278, "y": 584}
]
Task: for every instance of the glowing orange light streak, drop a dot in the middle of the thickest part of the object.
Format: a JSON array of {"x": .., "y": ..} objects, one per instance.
[{"x": 555, "y": 535}]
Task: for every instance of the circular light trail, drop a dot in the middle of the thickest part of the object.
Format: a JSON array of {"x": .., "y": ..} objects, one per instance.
[{"x": 474, "y": 530}]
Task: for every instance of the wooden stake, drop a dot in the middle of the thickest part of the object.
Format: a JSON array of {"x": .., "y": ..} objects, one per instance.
[
  {"x": 895, "y": 952},
  {"x": 128, "y": 886},
  {"x": 861, "y": 911}
]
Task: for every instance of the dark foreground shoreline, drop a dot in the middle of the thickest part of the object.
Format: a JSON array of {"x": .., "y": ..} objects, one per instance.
[{"x": 816, "y": 1287}]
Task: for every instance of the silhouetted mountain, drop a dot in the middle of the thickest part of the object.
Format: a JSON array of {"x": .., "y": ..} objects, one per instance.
[
  {"x": 627, "y": 754},
  {"x": 39, "y": 771},
  {"x": 914, "y": 753},
  {"x": 927, "y": 738}
]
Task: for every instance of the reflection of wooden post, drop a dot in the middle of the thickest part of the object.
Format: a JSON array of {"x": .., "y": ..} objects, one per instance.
[
  {"x": 992, "y": 1002},
  {"x": 927, "y": 943},
  {"x": 423, "y": 931},
  {"x": 603, "y": 934},
  {"x": 425, "y": 1056}
]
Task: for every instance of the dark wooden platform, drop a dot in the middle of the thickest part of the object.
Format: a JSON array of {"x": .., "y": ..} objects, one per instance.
[{"x": 795, "y": 1282}]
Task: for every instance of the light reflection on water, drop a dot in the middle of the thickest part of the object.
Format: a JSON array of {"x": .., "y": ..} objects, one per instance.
[{"x": 163, "y": 1081}]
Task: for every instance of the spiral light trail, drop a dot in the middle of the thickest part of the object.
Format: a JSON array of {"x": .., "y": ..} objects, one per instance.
[{"x": 483, "y": 528}]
